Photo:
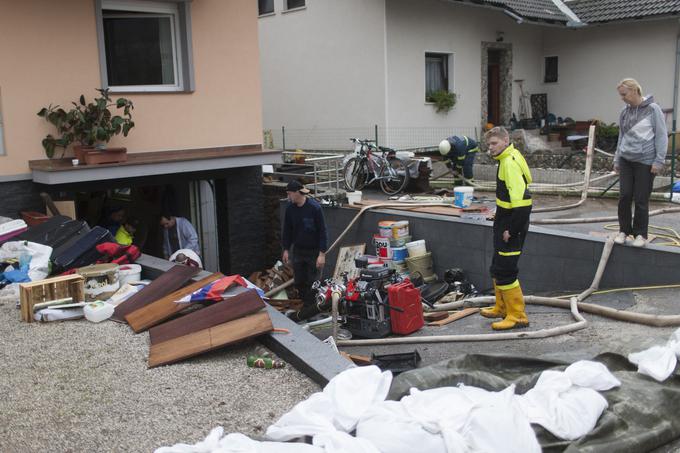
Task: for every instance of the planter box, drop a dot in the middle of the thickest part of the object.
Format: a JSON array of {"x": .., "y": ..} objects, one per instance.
[
  {"x": 79, "y": 152},
  {"x": 106, "y": 156}
]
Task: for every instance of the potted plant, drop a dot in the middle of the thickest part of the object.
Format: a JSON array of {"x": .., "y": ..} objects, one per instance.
[
  {"x": 88, "y": 124},
  {"x": 606, "y": 135},
  {"x": 444, "y": 100}
]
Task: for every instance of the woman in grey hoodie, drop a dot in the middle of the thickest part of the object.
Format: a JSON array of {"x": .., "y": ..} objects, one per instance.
[{"x": 640, "y": 155}]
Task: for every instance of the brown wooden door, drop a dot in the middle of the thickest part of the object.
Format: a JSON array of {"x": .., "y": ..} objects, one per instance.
[{"x": 494, "y": 109}]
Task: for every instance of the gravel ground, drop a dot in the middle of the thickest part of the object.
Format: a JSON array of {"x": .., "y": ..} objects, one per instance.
[{"x": 75, "y": 386}]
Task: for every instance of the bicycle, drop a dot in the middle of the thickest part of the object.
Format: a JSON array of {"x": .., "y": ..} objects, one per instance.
[{"x": 367, "y": 167}]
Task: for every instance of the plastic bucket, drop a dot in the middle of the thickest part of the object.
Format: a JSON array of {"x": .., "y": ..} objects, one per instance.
[
  {"x": 416, "y": 248},
  {"x": 382, "y": 246},
  {"x": 462, "y": 196},
  {"x": 385, "y": 228},
  {"x": 354, "y": 197},
  {"x": 400, "y": 229},
  {"x": 130, "y": 273},
  {"x": 101, "y": 281},
  {"x": 399, "y": 242},
  {"x": 421, "y": 264},
  {"x": 399, "y": 253}
]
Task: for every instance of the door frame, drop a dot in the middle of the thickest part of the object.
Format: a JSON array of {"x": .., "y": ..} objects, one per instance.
[{"x": 505, "y": 81}]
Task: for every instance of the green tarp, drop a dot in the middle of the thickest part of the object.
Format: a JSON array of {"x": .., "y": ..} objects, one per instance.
[{"x": 643, "y": 414}]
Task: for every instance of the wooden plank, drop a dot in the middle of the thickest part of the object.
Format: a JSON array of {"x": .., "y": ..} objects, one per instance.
[
  {"x": 435, "y": 315},
  {"x": 209, "y": 339},
  {"x": 165, "y": 307},
  {"x": 454, "y": 317},
  {"x": 357, "y": 359},
  {"x": 47, "y": 290},
  {"x": 234, "y": 307},
  {"x": 168, "y": 282}
]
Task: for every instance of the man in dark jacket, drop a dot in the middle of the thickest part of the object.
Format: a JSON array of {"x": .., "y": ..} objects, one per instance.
[
  {"x": 460, "y": 153},
  {"x": 510, "y": 227},
  {"x": 304, "y": 232}
]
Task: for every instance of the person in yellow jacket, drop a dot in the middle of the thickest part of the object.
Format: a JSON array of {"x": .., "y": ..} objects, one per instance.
[
  {"x": 510, "y": 227},
  {"x": 126, "y": 232}
]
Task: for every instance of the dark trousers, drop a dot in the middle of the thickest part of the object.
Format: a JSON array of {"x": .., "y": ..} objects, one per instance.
[
  {"x": 635, "y": 182},
  {"x": 466, "y": 165},
  {"x": 505, "y": 260},
  {"x": 305, "y": 273}
]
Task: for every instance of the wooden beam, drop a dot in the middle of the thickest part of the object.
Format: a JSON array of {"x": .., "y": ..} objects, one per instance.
[
  {"x": 164, "y": 308},
  {"x": 454, "y": 317},
  {"x": 168, "y": 282},
  {"x": 205, "y": 340},
  {"x": 232, "y": 308}
]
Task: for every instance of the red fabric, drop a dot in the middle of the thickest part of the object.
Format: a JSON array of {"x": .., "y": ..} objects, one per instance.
[{"x": 118, "y": 254}]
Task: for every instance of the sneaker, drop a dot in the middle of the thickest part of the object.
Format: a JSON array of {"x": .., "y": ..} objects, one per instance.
[
  {"x": 620, "y": 238},
  {"x": 639, "y": 241}
]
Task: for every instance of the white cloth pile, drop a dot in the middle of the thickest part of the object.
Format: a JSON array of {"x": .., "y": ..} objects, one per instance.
[
  {"x": 658, "y": 362},
  {"x": 461, "y": 419}
]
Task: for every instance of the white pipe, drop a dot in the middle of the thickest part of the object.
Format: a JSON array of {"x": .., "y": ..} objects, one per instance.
[
  {"x": 597, "y": 219},
  {"x": 319, "y": 322},
  {"x": 335, "y": 297}
]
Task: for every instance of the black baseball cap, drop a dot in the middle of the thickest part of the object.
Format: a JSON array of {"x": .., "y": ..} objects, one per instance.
[{"x": 296, "y": 186}]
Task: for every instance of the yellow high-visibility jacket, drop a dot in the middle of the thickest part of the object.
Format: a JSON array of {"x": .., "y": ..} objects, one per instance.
[{"x": 513, "y": 198}]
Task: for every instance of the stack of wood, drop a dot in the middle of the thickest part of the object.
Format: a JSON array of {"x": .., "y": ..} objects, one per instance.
[
  {"x": 274, "y": 277},
  {"x": 183, "y": 330}
]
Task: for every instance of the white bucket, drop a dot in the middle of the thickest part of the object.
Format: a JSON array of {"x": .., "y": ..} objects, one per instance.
[
  {"x": 354, "y": 197},
  {"x": 462, "y": 196},
  {"x": 130, "y": 273},
  {"x": 416, "y": 248}
]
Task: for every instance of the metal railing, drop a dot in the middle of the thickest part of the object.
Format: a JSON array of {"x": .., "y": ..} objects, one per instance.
[{"x": 325, "y": 172}]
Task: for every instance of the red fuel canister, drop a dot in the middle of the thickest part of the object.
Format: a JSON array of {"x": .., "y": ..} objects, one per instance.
[{"x": 407, "y": 298}]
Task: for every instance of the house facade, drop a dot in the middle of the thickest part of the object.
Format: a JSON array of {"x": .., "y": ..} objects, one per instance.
[
  {"x": 334, "y": 65},
  {"x": 191, "y": 68}
]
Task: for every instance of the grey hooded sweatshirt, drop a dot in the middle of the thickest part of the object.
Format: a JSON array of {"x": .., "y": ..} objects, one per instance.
[{"x": 642, "y": 134}]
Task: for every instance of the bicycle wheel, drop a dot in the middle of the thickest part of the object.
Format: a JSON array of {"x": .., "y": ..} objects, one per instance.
[
  {"x": 394, "y": 176},
  {"x": 356, "y": 173}
]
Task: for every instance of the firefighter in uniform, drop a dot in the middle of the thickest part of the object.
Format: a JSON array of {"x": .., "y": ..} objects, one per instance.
[
  {"x": 510, "y": 227},
  {"x": 460, "y": 153}
]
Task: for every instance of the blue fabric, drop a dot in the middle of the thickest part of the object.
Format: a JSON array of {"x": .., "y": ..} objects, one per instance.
[
  {"x": 676, "y": 187},
  {"x": 18, "y": 275}
]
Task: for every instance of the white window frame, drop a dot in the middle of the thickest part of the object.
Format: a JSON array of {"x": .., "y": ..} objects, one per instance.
[
  {"x": 450, "y": 66},
  {"x": 270, "y": 13},
  {"x": 181, "y": 34},
  {"x": 297, "y": 8}
]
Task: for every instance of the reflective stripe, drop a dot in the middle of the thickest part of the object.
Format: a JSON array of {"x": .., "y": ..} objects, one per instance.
[
  {"x": 510, "y": 205},
  {"x": 512, "y": 285},
  {"x": 466, "y": 141},
  {"x": 473, "y": 150},
  {"x": 509, "y": 253},
  {"x": 461, "y": 158}
]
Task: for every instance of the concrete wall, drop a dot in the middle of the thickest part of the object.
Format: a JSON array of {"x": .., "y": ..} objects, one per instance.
[
  {"x": 414, "y": 28},
  {"x": 52, "y": 57},
  {"x": 323, "y": 66},
  {"x": 551, "y": 261},
  {"x": 593, "y": 60}
]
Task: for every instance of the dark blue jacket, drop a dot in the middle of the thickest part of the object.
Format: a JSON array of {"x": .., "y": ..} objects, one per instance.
[
  {"x": 460, "y": 147},
  {"x": 304, "y": 227}
]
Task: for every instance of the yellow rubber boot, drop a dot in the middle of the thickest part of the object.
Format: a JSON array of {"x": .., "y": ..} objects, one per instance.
[
  {"x": 514, "y": 305},
  {"x": 498, "y": 310}
]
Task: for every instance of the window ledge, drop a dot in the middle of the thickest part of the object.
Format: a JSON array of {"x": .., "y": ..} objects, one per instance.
[
  {"x": 149, "y": 89},
  {"x": 294, "y": 9},
  {"x": 273, "y": 13}
]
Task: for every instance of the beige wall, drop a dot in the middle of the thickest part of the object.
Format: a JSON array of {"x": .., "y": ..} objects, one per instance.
[{"x": 52, "y": 57}]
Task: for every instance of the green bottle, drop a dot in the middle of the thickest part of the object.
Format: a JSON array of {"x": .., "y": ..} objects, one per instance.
[{"x": 264, "y": 362}]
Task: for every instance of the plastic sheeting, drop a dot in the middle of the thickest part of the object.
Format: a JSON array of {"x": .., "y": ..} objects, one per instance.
[
  {"x": 641, "y": 414},
  {"x": 40, "y": 256},
  {"x": 658, "y": 361}
]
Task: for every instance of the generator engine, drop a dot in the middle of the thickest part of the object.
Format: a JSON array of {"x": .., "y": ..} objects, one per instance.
[{"x": 365, "y": 306}]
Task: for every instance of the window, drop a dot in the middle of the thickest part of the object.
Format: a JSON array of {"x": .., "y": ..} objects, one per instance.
[
  {"x": 145, "y": 46},
  {"x": 292, "y": 4},
  {"x": 265, "y": 7},
  {"x": 2, "y": 134},
  {"x": 550, "y": 73},
  {"x": 436, "y": 73}
]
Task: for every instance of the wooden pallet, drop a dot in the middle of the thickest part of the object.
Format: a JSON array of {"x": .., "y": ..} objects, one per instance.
[
  {"x": 165, "y": 307},
  {"x": 168, "y": 282},
  {"x": 195, "y": 343},
  {"x": 49, "y": 289}
]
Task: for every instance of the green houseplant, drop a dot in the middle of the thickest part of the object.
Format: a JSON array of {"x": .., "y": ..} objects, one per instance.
[
  {"x": 606, "y": 135},
  {"x": 87, "y": 123},
  {"x": 443, "y": 100}
]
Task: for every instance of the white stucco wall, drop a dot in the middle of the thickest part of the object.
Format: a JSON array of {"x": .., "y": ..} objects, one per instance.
[
  {"x": 323, "y": 66},
  {"x": 593, "y": 60},
  {"x": 415, "y": 28}
]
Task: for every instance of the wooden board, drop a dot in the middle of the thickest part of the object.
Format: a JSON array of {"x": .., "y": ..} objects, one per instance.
[
  {"x": 168, "y": 282},
  {"x": 160, "y": 310},
  {"x": 208, "y": 339},
  {"x": 345, "y": 261},
  {"x": 435, "y": 315},
  {"x": 444, "y": 210},
  {"x": 454, "y": 317},
  {"x": 49, "y": 289},
  {"x": 232, "y": 308}
]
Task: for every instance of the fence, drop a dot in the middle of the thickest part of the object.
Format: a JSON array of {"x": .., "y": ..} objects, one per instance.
[
  {"x": 322, "y": 169},
  {"x": 337, "y": 139}
]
